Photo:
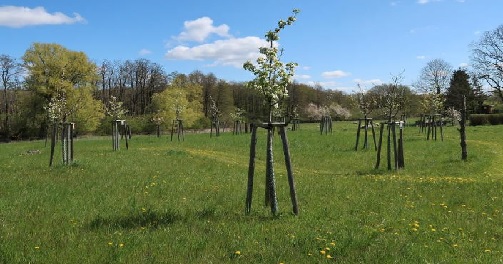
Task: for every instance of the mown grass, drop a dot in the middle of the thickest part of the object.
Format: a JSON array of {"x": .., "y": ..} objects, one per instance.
[{"x": 183, "y": 202}]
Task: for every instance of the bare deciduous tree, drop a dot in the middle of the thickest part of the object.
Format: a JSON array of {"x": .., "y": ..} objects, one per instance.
[
  {"x": 11, "y": 70},
  {"x": 487, "y": 59},
  {"x": 435, "y": 77}
]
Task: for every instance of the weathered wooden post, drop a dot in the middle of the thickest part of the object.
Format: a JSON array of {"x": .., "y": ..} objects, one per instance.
[
  {"x": 53, "y": 141},
  {"x": 401, "y": 158},
  {"x": 67, "y": 142},
  {"x": 379, "y": 146},
  {"x": 116, "y": 134},
  {"x": 462, "y": 131}
]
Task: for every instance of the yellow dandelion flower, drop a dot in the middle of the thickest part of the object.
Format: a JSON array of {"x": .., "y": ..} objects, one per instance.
[
  {"x": 309, "y": 254},
  {"x": 487, "y": 250},
  {"x": 110, "y": 243},
  {"x": 121, "y": 245},
  {"x": 329, "y": 257},
  {"x": 237, "y": 252},
  {"x": 327, "y": 249},
  {"x": 37, "y": 247},
  {"x": 322, "y": 252},
  {"x": 455, "y": 245},
  {"x": 332, "y": 244}
]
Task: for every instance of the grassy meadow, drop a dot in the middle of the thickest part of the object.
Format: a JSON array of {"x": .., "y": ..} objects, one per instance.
[{"x": 165, "y": 201}]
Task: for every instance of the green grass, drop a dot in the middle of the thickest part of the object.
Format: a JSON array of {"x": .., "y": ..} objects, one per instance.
[{"x": 183, "y": 202}]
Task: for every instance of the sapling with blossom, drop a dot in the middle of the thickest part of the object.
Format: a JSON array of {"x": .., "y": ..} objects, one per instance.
[
  {"x": 271, "y": 75},
  {"x": 271, "y": 80}
]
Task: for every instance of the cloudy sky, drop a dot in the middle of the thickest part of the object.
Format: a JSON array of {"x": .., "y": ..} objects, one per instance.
[{"x": 337, "y": 43}]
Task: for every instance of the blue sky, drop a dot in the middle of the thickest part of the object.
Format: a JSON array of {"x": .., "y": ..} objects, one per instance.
[{"x": 337, "y": 43}]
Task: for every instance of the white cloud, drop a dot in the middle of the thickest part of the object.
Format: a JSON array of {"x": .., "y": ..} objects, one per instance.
[
  {"x": 394, "y": 3},
  {"x": 18, "y": 16},
  {"x": 144, "y": 52},
  {"x": 371, "y": 82},
  {"x": 464, "y": 65},
  {"x": 335, "y": 74},
  {"x": 302, "y": 77},
  {"x": 331, "y": 85},
  {"x": 234, "y": 51},
  {"x": 199, "y": 29},
  {"x": 420, "y": 57}
]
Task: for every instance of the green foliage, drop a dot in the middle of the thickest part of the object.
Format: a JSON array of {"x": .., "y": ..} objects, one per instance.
[
  {"x": 66, "y": 80},
  {"x": 160, "y": 202},
  {"x": 90, "y": 113},
  {"x": 486, "y": 119},
  {"x": 54, "y": 70},
  {"x": 141, "y": 124},
  {"x": 179, "y": 103}
]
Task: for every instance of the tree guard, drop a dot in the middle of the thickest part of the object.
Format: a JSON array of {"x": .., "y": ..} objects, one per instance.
[
  {"x": 237, "y": 129},
  {"x": 295, "y": 124},
  {"x": 326, "y": 124},
  {"x": 215, "y": 123},
  {"x": 178, "y": 125},
  {"x": 117, "y": 127},
  {"x": 67, "y": 142},
  {"x": 392, "y": 147},
  {"x": 270, "y": 188},
  {"x": 367, "y": 122},
  {"x": 435, "y": 121}
]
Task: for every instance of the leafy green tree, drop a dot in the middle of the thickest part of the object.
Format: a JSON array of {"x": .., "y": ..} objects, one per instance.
[
  {"x": 66, "y": 78},
  {"x": 460, "y": 87},
  {"x": 89, "y": 113},
  {"x": 174, "y": 104},
  {"x": 54, "y": 70}
]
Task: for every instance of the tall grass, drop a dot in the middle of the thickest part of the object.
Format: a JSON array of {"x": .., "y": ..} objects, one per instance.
[{"x": 166, "y": 201}]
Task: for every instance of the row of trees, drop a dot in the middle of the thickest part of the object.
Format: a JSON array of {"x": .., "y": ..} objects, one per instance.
[{"x": 50, "y": 73}]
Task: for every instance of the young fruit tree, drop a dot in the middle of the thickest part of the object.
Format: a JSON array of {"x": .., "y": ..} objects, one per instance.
[{"x": 271, "y": 79}]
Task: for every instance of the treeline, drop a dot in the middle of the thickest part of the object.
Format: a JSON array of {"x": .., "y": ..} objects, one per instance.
[{"x": 51, "y": 84}]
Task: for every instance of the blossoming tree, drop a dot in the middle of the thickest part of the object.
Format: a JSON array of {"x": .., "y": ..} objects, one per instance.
[{"x": 271, "y": 79}]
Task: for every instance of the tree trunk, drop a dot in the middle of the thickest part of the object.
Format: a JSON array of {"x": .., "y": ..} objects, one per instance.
[
  {"x": 462, "y": 131},
  {"x": 270, "y": 181}
]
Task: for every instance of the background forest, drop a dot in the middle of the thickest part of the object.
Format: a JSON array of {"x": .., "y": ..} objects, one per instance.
[{"x": 52, "y": 79}]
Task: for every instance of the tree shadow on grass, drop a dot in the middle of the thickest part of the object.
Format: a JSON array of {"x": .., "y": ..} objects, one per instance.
[{"x": 146, "y": 219}]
